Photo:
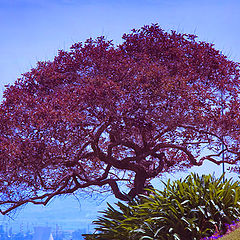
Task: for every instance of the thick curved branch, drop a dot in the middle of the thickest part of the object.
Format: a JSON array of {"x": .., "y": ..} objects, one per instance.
[
  {"x": 190, "y": 156},
  {"x": 202, "y": 132},
  {"x": 138, "y": 188},
  {"x": 35, "y": 200},
  {"x": 127, "y": 144},
  {"x": 161, "y": 157},
  {"x": 45, "y": 198},
  {"x": 108, "y": 159},
  {"x": 218, "y": 162},
  {"x": 139, "y": 184},
  {"x": 116, "y": 191},
  {"x": 94, "y": 143}
]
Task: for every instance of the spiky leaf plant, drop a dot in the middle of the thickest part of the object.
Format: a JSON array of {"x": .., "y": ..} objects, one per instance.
[{"x": 190, "y": 208}]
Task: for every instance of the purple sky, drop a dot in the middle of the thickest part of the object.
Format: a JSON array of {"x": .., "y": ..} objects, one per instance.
[{"x": 34, "y": 30}]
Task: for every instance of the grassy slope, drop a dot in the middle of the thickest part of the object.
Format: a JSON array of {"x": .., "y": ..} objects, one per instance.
[{"x": 235, "y": 235}]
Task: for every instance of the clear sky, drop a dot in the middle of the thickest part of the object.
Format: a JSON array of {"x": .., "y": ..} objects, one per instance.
[{"x": 35, "y": 30}]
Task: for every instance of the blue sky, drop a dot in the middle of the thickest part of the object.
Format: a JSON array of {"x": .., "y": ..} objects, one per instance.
[{"x": 34, "y": 30}]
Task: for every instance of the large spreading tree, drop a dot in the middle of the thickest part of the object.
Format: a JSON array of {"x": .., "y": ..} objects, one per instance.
[{"x": 103, "y": 117}]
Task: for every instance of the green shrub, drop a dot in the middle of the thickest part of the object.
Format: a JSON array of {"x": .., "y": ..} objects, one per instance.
[{"x": 192, "y": 208}]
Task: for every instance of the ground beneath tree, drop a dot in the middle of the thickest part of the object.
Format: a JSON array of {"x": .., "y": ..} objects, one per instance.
[{"x": 231, "y": 228}]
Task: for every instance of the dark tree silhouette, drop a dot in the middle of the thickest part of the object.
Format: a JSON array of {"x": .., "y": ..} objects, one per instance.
[{"x": 100, "y": 115}]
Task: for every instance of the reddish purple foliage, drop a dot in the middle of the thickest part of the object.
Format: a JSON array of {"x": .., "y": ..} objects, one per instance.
[{"x": 101, "y": 114}]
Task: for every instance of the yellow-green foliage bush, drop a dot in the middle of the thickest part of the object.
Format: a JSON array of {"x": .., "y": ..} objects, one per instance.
[{"x": 190, "y": 208}]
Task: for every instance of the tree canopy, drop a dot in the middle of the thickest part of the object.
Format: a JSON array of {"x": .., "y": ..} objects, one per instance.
[{"x": 102, "y": 117}]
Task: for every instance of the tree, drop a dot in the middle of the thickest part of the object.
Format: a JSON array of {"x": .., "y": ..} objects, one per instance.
[{"x": 101, "y": 116}]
